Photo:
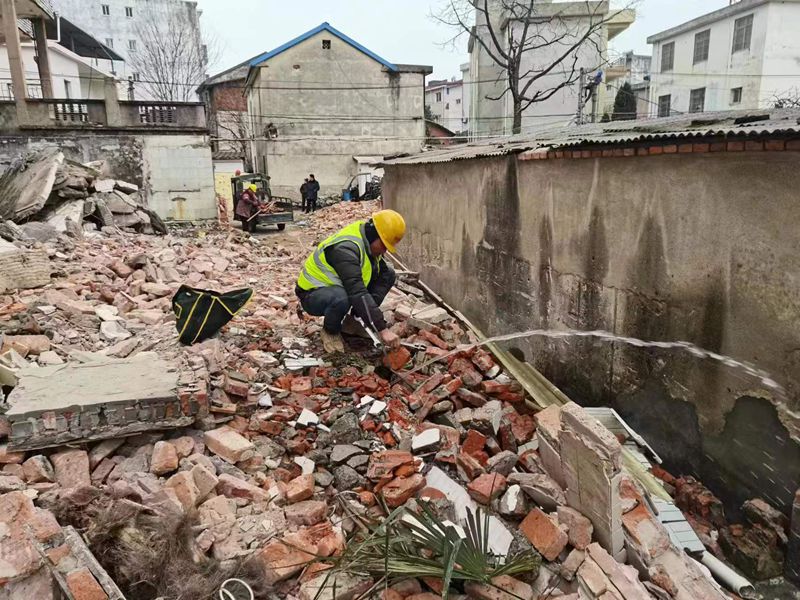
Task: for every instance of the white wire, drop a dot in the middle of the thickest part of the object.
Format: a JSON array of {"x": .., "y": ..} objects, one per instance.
[{"x": 225, "y": 594}]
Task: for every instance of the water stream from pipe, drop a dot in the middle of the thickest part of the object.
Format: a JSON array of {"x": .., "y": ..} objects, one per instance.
[{"x": 606, "y": 336}]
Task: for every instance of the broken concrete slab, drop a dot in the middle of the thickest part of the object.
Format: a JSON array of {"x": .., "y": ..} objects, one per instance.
[
  {"x": 22, "y": 268},
  {"x": 26, "y": 185},
  {"x": 99, "y": 399},
  {"x": 500, "y": 538}
]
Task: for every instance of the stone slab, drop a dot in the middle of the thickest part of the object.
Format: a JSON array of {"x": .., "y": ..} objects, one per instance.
[{"x": 107, "y": 381}]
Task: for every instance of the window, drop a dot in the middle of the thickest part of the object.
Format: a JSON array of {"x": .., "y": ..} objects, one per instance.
[
  {"x": 697, "y": 100},
  {"x": 458, "y": 100},
  {"x": 736, "y": 95},
  {"x": 67, "y": 88},
  {"x": 447, "y": 106},
  {"x": 447, "y": 91},
  {"x": 701, "y": 43},
  {"x": 135, "y": 77},
  {"x": 667, "y": 57},
  {"x": 129, "y": 11},
  {"x": 326, "y": 44},
  {"x": 34, "y": 90},
  {"x": 109, "y": 42},
  {"x": 438, "y": 96},
  {"x": 106, "y": 9},
  {"x": 742, "y": 32},
  {"x": 664, "y": 105},
  {"x": 132, "y": 45}
]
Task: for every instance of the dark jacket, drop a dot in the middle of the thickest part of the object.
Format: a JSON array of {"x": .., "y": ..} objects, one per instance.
[
  {"x": 344, "y": 259},
  {"x": 248, "y": 205},
  {"x": 313, "y": 189},
  {"x": 304, "y": 191}
]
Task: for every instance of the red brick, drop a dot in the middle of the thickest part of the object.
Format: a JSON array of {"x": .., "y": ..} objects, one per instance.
[
  {"x": 164, "y": 458},
  {"x": 299, "y": 489},
  {"x": 642, "y": 151},
  {"x": 430, "y": 493},
  {"x": 607, "y": 153},
  {"x": 308, "y": 512},
  {"x": 487, "y": 487},
  {"x": 233, "y": 487},
  {"x": 629, "y": 151},
  {"x": 465, "y": 370},
  {"x": 586, "y": 153},
  {"x": 281, "y": 560},
  {"x": 228, "y": 444},
  {"x": 700, "y": 148},
  {"x": 474, "y": 442},
  {"x": 83, "y": 586},
  {"x": 735, "y": 146},
  {"x": 754, "y": 146},
  {"x": 793, "y": 145},
  {"x": 434, "y": 339},
  {"x": 670, "y": 149},
  {"x": 774, "y": 145},
  {"x": 544, "y": 534},
  {"x": 618, "y": 152},
  {"x": 484, "y": 361},
  {"x": 469, "y": 465},
  {"x": 384, "y": 463},
  {"x": 685, "y": 148},
  {"x": 580, "y": 528},
  {"x": 718, "y": 147},
  {"x": 559, "y": 154},
  {"x": 655, "y": 150},
  {"x": 401, "y": 489},
  {"x": 597, "y": 153},
  {"x": 397, "y": 359},
  {"x": 301, "y": 385},
  {"x": 551, "y": 155},
  {"x": 522, "y": 426}
]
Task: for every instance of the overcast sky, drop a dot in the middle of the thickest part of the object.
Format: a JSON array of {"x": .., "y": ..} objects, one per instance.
[{"x": 400, "y": 31}]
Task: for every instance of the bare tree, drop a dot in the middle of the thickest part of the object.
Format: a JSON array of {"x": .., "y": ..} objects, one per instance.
[
  {"x": 536, "y": 45},
  {"x": 234, "y": 130},
  {"x": 788, "y": 99},
  {"x": 171, "y": 58}
]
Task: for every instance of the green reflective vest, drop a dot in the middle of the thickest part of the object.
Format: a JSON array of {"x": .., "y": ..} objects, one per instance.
[{"x": 318, "y": 273}]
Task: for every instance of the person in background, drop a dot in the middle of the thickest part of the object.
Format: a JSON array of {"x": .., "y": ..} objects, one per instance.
[
  {"x": 304, "y": 194},
  {"x": 347, "y": 272},
  {"x": 247, "y": 207},
  {"x": 313, "y": 192}
]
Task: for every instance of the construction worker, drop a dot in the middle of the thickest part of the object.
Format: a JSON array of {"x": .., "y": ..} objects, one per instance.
[{"x": 346, "y": 272}]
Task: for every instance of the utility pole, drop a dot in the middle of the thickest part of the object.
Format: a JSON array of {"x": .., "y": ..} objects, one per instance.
[{"x": 581, "y": 99}]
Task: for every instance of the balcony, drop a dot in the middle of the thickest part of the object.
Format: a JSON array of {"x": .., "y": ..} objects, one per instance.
[{"x": 66, "y": 113}]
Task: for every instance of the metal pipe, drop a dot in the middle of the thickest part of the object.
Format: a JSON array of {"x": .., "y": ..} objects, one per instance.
[
  {"x": 727, "y": 576},
  {"x": 58, "y": 28}
]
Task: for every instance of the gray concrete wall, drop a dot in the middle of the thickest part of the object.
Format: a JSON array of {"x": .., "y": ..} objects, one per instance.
[
  {"x": 174, "y": 171},
  {"x": 702, "y": 248},
  {"x": 330, "y": 105}
]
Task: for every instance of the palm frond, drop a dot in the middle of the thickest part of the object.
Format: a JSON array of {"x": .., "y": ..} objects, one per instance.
[{"x": 422, "y": 544}]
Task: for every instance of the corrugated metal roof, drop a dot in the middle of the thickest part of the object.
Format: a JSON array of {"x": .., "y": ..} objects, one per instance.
[{"x": 742, "y": 123}]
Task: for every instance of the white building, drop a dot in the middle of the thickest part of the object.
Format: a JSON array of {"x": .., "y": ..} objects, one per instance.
[
  {"x": 556, "y": 27},
  {"x": 446, "y": 102},
  {"x": 120, "y": 25},
  {"x": 73, "y": 76},
  {"x": 633, "y": 69},
  {"x": 742, "y": 56}
]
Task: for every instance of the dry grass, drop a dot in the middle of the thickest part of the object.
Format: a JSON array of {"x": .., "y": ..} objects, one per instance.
[{"x": 151, "y": 557}]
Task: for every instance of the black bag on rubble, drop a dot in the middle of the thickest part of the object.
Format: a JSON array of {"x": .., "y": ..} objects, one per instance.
[{"x": 202, "y": 313}]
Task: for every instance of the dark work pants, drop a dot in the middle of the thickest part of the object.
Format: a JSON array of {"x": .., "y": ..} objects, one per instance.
[{"x": 333, "y": 303}]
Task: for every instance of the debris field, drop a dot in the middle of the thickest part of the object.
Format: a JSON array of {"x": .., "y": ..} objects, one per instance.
[{"x": 134, "y": 467}]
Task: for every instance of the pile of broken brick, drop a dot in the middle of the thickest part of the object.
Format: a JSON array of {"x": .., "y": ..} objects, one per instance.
[{"x": 268, "y": 448}]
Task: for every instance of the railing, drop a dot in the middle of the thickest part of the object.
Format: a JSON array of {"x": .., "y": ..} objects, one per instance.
[
  {"x": 157, "y": 113},
  {"x": 64, "y": 113},
  {"x": 70, "y": 111}
]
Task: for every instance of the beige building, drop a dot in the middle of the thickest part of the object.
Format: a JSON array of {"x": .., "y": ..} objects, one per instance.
[
  {"x": 324, "y": 104},
  {"x": 561, "y": 25}
]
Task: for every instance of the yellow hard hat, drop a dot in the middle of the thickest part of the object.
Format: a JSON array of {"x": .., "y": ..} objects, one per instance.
[
  {"x": 391, "y": 227},
  {"x": 252, "y": 187}
]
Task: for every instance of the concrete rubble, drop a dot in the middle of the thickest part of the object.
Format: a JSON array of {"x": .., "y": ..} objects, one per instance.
[{"x": 266, "y": 448}]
